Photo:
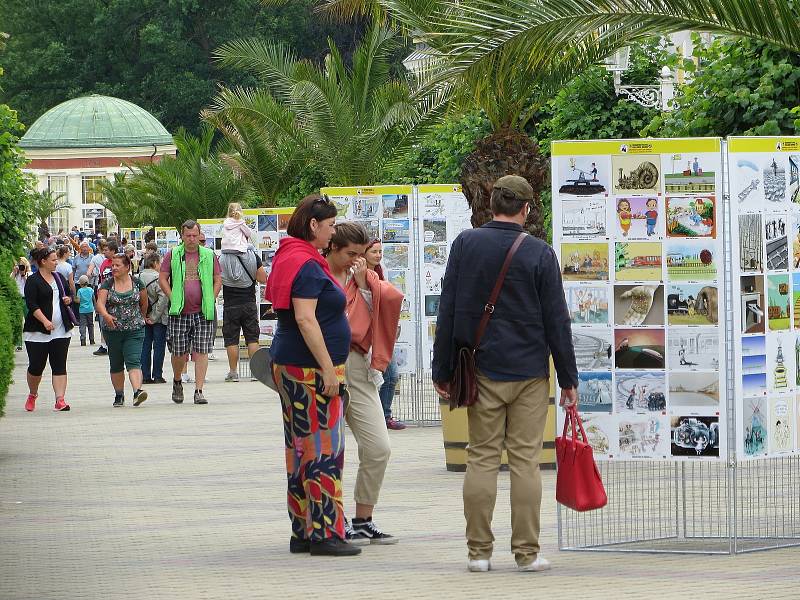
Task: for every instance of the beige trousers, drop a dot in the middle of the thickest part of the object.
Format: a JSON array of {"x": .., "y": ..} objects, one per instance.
[
  {"x": 365, "y": 418},
  {"x": 514, "y": 413}
]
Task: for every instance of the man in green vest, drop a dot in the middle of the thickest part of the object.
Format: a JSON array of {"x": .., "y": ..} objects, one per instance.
[{"x": 191, "y": 276}]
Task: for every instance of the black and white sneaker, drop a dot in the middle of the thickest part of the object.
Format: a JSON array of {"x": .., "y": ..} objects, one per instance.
[
  {"x": 366, "y": 529},
  {"x": 352, "y": 537},
  {"x": 119, "y": 400}
]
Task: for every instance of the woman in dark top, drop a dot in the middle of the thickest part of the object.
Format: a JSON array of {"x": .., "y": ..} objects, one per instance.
[
  {"x": 47, "y": 327},
  {"x": 308, "y": 352}
]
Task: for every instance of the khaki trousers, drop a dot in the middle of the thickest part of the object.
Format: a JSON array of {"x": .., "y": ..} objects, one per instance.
[
  {"x": 514, "y": 413},
  {"x": 365, "y": 418}
]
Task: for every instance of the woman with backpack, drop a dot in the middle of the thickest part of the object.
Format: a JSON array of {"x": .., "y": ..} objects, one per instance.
[{"x": 156, "y": 321}]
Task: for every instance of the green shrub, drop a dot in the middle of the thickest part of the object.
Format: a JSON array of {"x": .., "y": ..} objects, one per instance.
[{"x": 10, "y": 325}]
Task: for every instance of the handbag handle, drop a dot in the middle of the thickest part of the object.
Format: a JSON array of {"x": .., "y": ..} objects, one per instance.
[
  {"x": 488, "y": 309},
  {"x": 576, "y": 424}
]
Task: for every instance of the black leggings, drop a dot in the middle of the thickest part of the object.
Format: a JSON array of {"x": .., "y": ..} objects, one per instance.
[{"x": 38, "y": 353}]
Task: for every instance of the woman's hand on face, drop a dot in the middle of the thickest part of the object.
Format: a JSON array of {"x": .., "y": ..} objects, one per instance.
[
  {"x": 330, "y": 383},
  {"x": 110, "y": 321},
  {"x": 360, "y": 272}
]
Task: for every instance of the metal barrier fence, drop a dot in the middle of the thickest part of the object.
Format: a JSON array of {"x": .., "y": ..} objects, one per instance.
[{"x": 690, "y": 507}]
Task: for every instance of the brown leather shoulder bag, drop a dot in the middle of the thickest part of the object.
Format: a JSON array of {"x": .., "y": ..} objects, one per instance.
[{"x": 463, "y": 385}]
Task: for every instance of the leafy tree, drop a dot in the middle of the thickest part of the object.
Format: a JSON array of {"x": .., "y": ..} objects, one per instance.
[
  {"x": 196, "y": 184},
  {"x": 44, "y": 205},
  {"x": 738, "y": 87},
  {"x": 158, "y": 55},
  {"x": 349, "y": 122}
]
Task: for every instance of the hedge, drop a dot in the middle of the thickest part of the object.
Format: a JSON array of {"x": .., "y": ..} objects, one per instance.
[{"x": 10, "y": 326}]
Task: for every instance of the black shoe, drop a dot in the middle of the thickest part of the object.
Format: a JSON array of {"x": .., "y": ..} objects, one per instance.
[
  {"x": 333, "y": 547},
  {"x": 101, "y": 351},
  {"x": 159, "y": 380},
  {"x": 147, "y": 381},
  {"x": 177, "y": 392},
  {"x": 366, "y": 529},
  {"x": 83, "y": 342},
  {"x": 139, "y": 396},
  {"x": 119, "y": 400},
  {"x": 298, "y": 546}
]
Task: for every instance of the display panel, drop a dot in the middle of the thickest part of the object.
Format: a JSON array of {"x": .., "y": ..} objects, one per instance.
[
  {"x": 765, "y": 213},
  {"x": 638, "y": 229}
]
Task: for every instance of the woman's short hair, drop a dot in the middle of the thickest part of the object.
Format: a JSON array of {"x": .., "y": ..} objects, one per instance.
[
  {"x": 151, "y": 260},
  {"x": 40, "y": 254},
  {"x": 151, "y": 247},
  {"x": 311, "y": 207},
  {"x": 124, "y": 258},
  {"x": 130, "y": 248}
]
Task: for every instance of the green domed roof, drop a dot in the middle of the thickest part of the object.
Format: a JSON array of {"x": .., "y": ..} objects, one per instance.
[{"x": 95, "y": 122}]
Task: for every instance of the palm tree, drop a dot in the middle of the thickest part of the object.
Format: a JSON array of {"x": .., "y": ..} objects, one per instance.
[
  {"x": 44, "y": 205},
  {"x": 349, "y": 122},
  {"x": 195, "y": 184}
]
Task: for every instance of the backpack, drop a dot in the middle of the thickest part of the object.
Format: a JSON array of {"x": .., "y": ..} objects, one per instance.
[{"x": 150, "y": 303}]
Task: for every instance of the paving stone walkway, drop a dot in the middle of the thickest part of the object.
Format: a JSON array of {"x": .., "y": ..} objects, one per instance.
[{"x": 173, "y": 502}]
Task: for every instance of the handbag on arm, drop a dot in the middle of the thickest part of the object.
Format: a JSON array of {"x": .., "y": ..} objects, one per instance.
[{"x": 463, "y": 385}]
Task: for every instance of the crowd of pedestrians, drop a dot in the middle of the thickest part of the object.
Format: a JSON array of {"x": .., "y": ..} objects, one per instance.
[{"x": 332, "y": 353}]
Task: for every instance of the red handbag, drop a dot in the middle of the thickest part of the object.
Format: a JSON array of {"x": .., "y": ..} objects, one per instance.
[{"x": 578, "y": 483}]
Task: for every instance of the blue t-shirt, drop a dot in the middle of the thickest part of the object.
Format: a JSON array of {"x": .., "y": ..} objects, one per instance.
[
  {"x": 86, "y": 298},
  {"x": 288, "y": 346}
]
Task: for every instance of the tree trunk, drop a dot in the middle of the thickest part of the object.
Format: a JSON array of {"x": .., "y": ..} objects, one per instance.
[{"x": 504, "y": 152}]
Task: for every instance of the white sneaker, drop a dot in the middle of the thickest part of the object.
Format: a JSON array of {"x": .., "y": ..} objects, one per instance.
[
  {"x": 186, "y": 378},
  {"x": 479, "y": 566},
  {"x": 212, "y": 356},
  {"x": 540, "y": 564}
]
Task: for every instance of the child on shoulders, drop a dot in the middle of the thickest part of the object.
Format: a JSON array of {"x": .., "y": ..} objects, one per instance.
[{"x": 236, "y": 234}]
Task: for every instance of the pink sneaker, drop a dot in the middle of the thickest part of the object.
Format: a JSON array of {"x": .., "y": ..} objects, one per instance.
[
  {"x": 30, "y": 403},
  {"x": 61, "y": 405}
]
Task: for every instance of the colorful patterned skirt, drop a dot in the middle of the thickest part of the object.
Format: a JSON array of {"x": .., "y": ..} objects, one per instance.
[{"x": 313, "y": 428}]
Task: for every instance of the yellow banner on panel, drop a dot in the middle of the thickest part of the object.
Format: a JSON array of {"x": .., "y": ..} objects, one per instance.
[
  {"x": 763, "y": 144},
  {"x": 209, "y": 221},
  {"x": 366, "y": 190},
  {"x": 635, "y": 146},
  {"x": 442, "y": 188}
]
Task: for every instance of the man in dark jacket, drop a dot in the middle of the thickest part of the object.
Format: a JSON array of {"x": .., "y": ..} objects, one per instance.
[{"x": 530, "y": 321}]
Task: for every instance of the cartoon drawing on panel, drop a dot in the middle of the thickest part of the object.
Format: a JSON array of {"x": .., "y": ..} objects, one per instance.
[
  {"x": 781, "y": 361},
  {"x": 636, "y": 174},
  {"x": 592, "y": 348},
  {"x": 639, "y": 305},
  {"x": 695, "y": 436},
  {"x": 748, "y": 190},
  {"x": 642, "y": 437},
  {"x": 691, "y": 217},
  {"x": 396, "y": 231},
  {"x": 693, "y": 389},
  {"x": 754, "y": 424},
  {"x": 588, "y": 305},
  {"x": 688, "y": 175},
  {"x": 693, "y": 349},
  {"x": 751, "y": 297},
  {"x": 638, "y": 218},
  {"x": 395, "y": 206},
  {"x": 796, "y": 298},
  {"x": 583, "y": 218},
  {"x": 366, "y": 207},
  {"x": 794, "y": 178},
  {"x": 754, "y": 365},
  {"x": 751, "y": 243},
  {"x": 778, "y": 302},
  {"x": 639, "y": 348},
  {"x": 640, "y": 391},
  {"x": 594, "y": 392},
  {"x": 692, "y": 304},
  {"x": 637, "y": 261},
  {"x": 395, "y": 256},
  {"x": 435, "y": 230},
  {"x": 774, "y": 174},
  {"x": 691, "y": 260},
  {"x": 775, "y": 227},
  {"x": 582, "y": 175},
  {"x": 584, "y": 262},
  {"x": 781, "y": 423},
  {"x": 600, "y": 432}
]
